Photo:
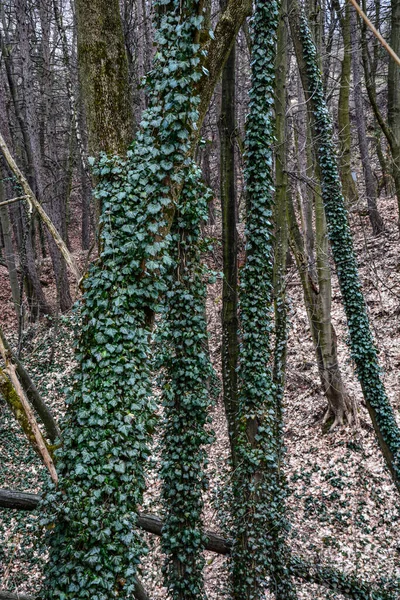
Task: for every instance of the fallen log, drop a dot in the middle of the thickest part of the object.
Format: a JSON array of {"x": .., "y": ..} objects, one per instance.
[{"x": 329, "y": 577}]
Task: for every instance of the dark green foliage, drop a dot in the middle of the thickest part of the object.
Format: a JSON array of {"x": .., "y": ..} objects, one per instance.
[
  {"x": 362, "y": 345},
  {"x": 94, "y": 546},
  {"x": 186, "y": 400},
  {"x": 259, "y": 521}
]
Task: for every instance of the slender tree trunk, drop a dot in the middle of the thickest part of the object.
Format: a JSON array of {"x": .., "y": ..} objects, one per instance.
[
  {"x": 9, "y": 255},
  {"x": 280, "y": 220},
  {"x": 362, "y": 344},
  {"x": 370, "y": 183},
  {"x": 348, "y": 184},
  {"x": 394, "y": 93},
  {"x": 230, "y": 326},
  {"x": 390, "y": 128}
]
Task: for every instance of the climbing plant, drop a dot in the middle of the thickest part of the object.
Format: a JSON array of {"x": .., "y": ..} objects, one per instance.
[
  {"x": 362, "y": 344},
  {"x": 259, "y": 550},
  {"x": 186, "y": 399},
  {"x": 90, "y": 518}
]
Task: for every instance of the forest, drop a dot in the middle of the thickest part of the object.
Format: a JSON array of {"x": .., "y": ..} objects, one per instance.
[{"x": 199, "y": 299}]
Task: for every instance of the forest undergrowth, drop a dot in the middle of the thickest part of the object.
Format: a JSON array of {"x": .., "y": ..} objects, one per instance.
[{"x": 343, "y": 506}]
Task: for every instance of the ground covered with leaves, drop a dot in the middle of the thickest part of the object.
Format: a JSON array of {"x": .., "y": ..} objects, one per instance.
[{"x": 343, "y": 507}]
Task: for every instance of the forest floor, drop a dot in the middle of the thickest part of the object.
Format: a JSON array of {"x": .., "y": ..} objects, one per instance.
[{"x": 342, "y": 505}]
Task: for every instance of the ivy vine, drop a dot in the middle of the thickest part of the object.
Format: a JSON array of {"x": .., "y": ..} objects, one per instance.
[
  {"x": 362, "y": 345},
  {"x": 259, "y": 550},
  {"x": 186, "y": 400},
  {"x": 94, "y": 546}
]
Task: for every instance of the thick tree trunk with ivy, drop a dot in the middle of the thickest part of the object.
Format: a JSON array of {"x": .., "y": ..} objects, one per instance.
[
  {"x": 259, "y": 549},
  {"x": 370, "y": 183},
  {"x": 230, "y": 325},
  {"x": 111, "y": 413},
  {"x": 362, "y": 345},
  {"x": 348, "y": 184}
]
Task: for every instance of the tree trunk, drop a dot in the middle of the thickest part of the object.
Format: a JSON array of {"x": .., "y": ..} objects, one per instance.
[
  {"x": 362, "y": 344},
  {"x": 9, "y": 256},
  {"x": 104, "y": 76},
  {"x": 370, "y": 183},
  {"x": 230, "y": 326},
  {"x": 392, "y": 135},
  {"x": 394, "y": 93},
  {"x": 348, "y": 184}
]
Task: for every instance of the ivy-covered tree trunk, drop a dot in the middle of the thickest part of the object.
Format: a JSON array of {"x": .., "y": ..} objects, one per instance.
[
  {"x": 259, "y": 553},
  {"x": 230, "y": 325},
  {"x": 95, "y": 547},
  {"x": 362, "y": 345},
  {"x": 186, "y": 400}
]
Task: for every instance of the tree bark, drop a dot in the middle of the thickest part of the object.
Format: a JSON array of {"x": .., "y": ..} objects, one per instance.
[
  {"x": 9, "y": 256},
  {"x": 361, "y": 340},
  {"x": 230, "y": 323},
  {"x": 104, "y": 76},
  {"x": 349, "y": 187},
  {"x": 370, "y": 183}
]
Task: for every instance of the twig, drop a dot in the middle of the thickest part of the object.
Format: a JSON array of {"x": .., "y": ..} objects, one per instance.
[{"x": 12, "y": 200}]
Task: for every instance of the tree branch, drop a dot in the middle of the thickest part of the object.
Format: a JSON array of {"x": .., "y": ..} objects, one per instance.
[
  {"x": 14, "y": 395},
  {"x": 33, "y": 395}
]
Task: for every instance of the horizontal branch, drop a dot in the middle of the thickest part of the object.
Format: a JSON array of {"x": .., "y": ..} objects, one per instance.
[
  {"x": 10, "y": 596},
  {"x": 12, "y": 200},
  {"x": 139, "y": 593},
  {"x": 348, "y": 585}
]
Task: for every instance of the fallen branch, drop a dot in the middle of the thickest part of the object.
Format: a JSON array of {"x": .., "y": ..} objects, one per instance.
[
  {"x": 139, "y": 593},
  {"x": 35, "y": 204},
  {"x": 14, "y": 395},
  {"x": 33, "y": 395},
  {"x": 331, "y": 578}
]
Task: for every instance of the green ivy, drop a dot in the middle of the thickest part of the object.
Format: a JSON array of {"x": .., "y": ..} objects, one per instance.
[
  {"x": 362, "y": 345},
  {"x": 259, "y": 550},
  {"x": 186, "y": 400},
  {"x": 94, "y": 546}
]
